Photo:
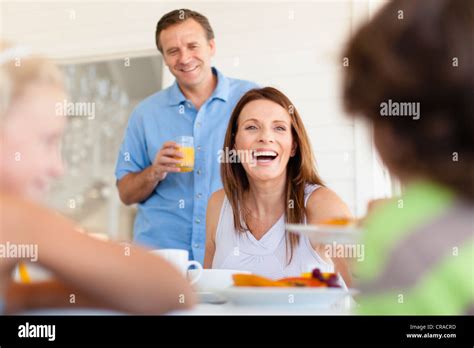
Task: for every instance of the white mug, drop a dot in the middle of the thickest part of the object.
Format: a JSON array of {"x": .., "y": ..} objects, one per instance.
[{"x": 180, "y": 259}]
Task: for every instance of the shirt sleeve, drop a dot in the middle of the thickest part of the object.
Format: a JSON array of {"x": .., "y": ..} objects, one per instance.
[{"x": 133, "y": 154}]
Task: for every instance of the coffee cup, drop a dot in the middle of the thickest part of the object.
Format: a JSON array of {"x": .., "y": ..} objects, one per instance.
[{"x": 180, "y": 259}]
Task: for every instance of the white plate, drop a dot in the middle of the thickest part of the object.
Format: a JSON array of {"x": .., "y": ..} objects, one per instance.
[
  {"x": 327, "y": 234},
  {"x": 211, "y": 280},
  {"x": 270, "y": 296},
  {"x": 210, "y": 297}
]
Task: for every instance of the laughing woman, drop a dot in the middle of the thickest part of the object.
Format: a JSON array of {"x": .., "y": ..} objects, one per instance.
[{"x": 277, "y": 185}]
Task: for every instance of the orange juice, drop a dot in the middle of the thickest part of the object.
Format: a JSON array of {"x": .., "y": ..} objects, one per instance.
[
  {"x": 187, "y": 163},
  {"x": 24, "y": 275}
]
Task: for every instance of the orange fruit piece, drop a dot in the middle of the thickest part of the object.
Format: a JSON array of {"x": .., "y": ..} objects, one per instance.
[
  {"x": 255, "y": 280},
  {"x": 337, "y": 221},
  {"x": 303, "y": 282}
]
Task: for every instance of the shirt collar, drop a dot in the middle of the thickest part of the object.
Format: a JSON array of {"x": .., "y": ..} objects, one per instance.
[{"x": 221, "y": 91}]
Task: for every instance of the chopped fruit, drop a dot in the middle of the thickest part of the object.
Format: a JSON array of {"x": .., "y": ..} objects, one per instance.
[
  {"x": 317, "y": 274},
  {"x": 315, "y": 279},
  {"x": 303, "y": 282},
  {"x": 333, "y": 281},
  {"x": 254, "y": 280},
  {"x": 326, "y": 275},
  {"x": 338, "y": 221}
]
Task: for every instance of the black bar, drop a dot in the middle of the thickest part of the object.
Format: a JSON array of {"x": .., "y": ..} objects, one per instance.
[{"x": 290, "y": 330}]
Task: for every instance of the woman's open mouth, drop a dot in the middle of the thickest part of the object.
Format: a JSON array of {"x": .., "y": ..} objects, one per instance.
[{"x": 266, "y": 156}]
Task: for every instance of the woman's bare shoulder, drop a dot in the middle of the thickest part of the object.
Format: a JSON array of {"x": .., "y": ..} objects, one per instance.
[
  {"x": 214, "y": 206},
  {"x": 324, "y": 203},
  {"x": 324, "y": 194},
  {"x": 216, "y": 199}
]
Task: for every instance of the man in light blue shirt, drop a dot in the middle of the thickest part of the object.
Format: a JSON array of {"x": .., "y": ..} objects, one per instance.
[{"x": 172, "y": 204}]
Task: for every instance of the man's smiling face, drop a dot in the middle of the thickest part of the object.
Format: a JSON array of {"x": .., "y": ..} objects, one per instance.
[{"x": 187, "y": 52}]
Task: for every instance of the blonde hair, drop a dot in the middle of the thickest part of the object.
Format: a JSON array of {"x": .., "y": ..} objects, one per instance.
[{"x": 17, "y": 73}]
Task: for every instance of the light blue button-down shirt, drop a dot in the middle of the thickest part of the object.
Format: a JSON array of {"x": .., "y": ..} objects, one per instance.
[{"x": 174, "y": 216}]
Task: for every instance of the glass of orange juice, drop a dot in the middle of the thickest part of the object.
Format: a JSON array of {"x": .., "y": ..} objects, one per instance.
[{"x": 186, "y": 146}]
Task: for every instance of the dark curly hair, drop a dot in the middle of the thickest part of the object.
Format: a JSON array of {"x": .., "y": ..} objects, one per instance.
[{"x": 423, "y": 52}]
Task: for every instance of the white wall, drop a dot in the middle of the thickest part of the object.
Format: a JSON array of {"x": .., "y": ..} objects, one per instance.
[{"x": 292, "y": 46}]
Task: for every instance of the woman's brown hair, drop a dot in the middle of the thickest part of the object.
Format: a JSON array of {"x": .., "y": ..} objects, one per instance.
[{"x": 301, "y": 169}]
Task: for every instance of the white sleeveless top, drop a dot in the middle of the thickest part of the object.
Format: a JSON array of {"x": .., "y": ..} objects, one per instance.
[{"x": 266, "y": 257}]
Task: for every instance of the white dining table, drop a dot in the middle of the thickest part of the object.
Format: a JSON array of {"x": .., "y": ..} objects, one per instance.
[{"x": 343, "y": 307}]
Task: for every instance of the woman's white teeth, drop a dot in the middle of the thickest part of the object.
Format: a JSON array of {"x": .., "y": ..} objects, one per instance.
[
  {"x": 265, "y": 156},
  {"x": 266, "y": 153}
]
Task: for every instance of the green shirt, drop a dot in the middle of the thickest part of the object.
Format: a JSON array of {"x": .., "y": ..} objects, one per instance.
[{"x": 419, "y": 255}]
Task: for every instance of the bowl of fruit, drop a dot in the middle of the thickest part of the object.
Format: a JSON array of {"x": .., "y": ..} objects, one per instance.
[{"x": 314, "y": 289}]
